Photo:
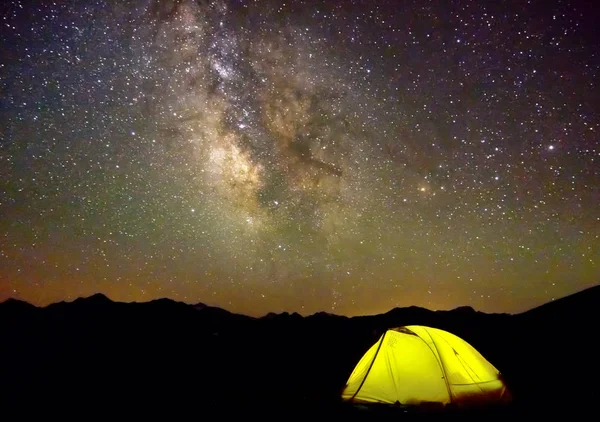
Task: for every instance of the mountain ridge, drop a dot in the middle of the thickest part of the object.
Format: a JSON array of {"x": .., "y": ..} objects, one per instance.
[
  {"x": 102, "y": 299},
  {"x": 155, "y": 348}
]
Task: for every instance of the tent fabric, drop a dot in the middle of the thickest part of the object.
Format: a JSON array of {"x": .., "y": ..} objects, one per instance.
[{"x": 416, "y": 365}]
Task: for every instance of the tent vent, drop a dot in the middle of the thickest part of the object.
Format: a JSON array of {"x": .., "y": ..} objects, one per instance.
[{"x": 403, "y": 330}]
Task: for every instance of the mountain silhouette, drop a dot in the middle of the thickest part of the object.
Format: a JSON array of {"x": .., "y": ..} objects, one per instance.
[
  {"x": 578, "y": 306},
  {"x": 95, "y": 298},
  {"x": 196, "y": 355}
]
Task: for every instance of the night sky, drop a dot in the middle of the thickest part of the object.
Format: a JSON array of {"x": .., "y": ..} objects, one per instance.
[{"x": 305, "y": 156}]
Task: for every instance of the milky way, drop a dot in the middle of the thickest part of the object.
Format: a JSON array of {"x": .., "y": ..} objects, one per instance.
[{"x": 262, "y": 156}]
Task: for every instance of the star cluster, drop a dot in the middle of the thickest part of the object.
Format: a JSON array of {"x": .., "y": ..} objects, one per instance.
[{"x": 305, "y": 156}]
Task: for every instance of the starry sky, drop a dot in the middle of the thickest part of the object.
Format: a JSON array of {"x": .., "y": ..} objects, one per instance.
[{"x": 306, "y": 156}]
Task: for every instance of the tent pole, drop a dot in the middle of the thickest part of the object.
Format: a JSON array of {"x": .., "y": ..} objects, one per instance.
[
  {"x": 441, "y": 364},
  {"x": 370, "y": 366}
]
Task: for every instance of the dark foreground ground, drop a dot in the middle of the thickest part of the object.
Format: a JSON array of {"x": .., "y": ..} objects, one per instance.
[
  {"x": 265, "y": 408},
  {"x": 94, "y": 356}
]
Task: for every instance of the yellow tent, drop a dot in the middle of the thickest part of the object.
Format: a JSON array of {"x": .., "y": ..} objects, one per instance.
[{"x": 417, "y": 365}]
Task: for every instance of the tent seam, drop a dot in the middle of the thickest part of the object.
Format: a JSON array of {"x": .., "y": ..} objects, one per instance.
[
  {"x": 370, "y": 366},
  {"x": 462, "y": 363},
  {"x": 439, "y": 359}
]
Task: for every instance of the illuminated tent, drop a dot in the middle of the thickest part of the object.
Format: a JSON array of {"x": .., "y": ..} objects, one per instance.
[{"x": 416, "y": 365}]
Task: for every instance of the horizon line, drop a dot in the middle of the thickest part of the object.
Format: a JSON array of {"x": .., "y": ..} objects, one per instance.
[{"x": 293, "y": 312}]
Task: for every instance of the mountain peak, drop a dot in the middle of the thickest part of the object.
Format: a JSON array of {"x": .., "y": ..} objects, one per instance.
[
  {"x": 12, "y": 302},
  {"x": 465, "y": 309},
  {"x": 323, "y": 314},
  {"x": 282, "y": 315},
  {"x": 199, "y": 306},
  {"x": 95, "y": 298},
  {"x": 579, "y": 302},
  {"x": 412, "y": 308}
]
